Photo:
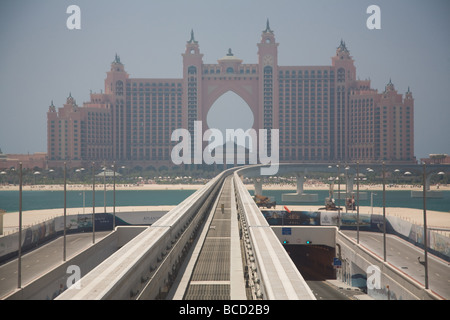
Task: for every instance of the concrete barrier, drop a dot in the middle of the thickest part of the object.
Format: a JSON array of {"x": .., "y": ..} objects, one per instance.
[
  {"x": 54, "y": 282},
  {"x": 147, "y": 262}
]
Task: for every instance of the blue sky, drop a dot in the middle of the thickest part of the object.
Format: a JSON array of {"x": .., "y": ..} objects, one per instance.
[{"x": 42, "y": 60}]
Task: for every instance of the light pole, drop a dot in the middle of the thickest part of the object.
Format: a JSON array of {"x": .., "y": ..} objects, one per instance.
[
  {"x": 384, "y": 213},
  {"x": 2, "y": 174},
  {"x": 19, "y": 260},
  {"x": 347, "y": 188},
  {"x": 114, "y": 196},
  {"x": 93, "y": 202},
  {"x": 80, "y": 178},
  {"x": 104, "y": 187},
  {"x": 65, "y": 206},
  {"x": 339, "y": 196},
  {"x": 425, "y": 242},
  {"x": 35, "y": 174},
  {"x": 371, "y": 201},
  {"x": 51, "y": 171},
  {"x": 357, "y": 202},
  {"x": 396, "y": 173}
]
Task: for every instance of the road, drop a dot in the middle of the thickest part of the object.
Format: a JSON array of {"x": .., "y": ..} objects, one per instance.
[
  {"x": 324, "y": 290},
  {"x": 404, "y": 256},
  {"x": 40, "y": 260}
]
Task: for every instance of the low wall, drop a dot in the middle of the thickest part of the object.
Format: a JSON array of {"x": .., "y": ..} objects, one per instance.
[
  {"x": 48, "y": 230},
  {"x": 54, "y": 282}
]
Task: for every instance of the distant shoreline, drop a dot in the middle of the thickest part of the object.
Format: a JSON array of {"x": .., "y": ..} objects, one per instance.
[{"x": 306, "y": 187}]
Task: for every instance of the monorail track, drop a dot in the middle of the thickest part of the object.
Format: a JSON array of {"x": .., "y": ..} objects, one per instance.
[{"x": 217, "y": 271}]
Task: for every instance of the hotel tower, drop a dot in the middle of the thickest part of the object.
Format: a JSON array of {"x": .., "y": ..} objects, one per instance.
[{"x": 323, "y": 113}]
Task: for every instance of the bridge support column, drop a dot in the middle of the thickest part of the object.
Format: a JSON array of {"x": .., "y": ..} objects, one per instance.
[
  {"x": 2, "y": 212},
  {"x": 299, "y": 196},
  {"x": 349, "y": 183},
  {"x": 430, "y": 193},
  {"x": 258, "y": 185},
  {"x": 300, "y": 181},
  {"x": 350, "y": 188}
]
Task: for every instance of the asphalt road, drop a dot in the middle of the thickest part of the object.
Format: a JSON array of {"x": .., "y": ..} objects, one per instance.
[
  {"x": 322, "y": 290},
  {"x": 404, "y": 256},
  {"x": 38, "y": 261}
]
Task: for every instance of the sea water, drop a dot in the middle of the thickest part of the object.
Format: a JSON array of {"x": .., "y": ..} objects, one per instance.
[{"x": 37, "y": 200}]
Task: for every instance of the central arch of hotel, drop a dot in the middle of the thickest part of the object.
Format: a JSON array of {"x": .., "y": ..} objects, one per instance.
[{"x": 247, "y": 90}]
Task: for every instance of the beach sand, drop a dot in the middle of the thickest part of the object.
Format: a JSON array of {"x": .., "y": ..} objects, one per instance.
[{"x": 435, "y": 219}]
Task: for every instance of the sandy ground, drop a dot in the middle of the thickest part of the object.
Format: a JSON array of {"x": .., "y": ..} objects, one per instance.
[{"x": 435, "y": 219}]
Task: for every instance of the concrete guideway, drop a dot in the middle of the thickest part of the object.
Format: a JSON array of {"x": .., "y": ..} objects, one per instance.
[
  {"x": 270, "y": 268},
  {"x": 215, "y": 270},
  {"x": 145, "y": 267}
]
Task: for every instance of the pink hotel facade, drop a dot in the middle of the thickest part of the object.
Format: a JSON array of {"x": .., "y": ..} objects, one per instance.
[{"x": 323, "y": 113}]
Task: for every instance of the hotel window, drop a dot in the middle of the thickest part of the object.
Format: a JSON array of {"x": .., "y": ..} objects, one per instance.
[{"x": 341, "y": 75}]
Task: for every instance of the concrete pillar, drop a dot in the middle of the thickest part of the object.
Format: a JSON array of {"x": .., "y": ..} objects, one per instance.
[
  {"x": 350, "y": 179},
  {"x": 2, "y": 212},
  {"x": 428, "y": 182},
  {"x": 300, "y": 181},
  {"x": 257, "y": 182},
  {"x": 299, "y": 196}
]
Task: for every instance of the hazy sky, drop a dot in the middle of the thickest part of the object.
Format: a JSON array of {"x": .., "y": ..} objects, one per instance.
[{"x": 42, "y": 60}]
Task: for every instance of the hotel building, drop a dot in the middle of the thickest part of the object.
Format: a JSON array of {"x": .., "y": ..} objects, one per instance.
[{"x": 323, "y": 113}]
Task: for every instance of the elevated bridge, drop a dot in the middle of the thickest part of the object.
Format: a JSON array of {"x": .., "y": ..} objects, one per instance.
[{"x": 215, "y": 245}]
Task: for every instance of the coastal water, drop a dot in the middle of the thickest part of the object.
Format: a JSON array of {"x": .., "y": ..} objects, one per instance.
[{"x": 36, "y": 200}]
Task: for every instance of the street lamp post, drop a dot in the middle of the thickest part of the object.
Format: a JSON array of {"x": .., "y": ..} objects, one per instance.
[
  {"x": 65, "y": 206},
  {"x": 384, "y": 213},
  {"x": 19, "y": 260},
  {"x": 93, "y": 202},
  {"x": 346, "y": 168},
  {"x": 35, "y": 174},
  {"x": 83, "y": 194},
  {"x": 339, "y": 196},
  {"x": 357, "y": 202},
  {"x": 114, "y": 196},
  {"x": 84, "y": 201},
  {"x": 2, "y": 174},
  {"x": 425, "y": 242},
  {"x": 371, "y": 201},
  {"x": 104, "y": 187}
]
